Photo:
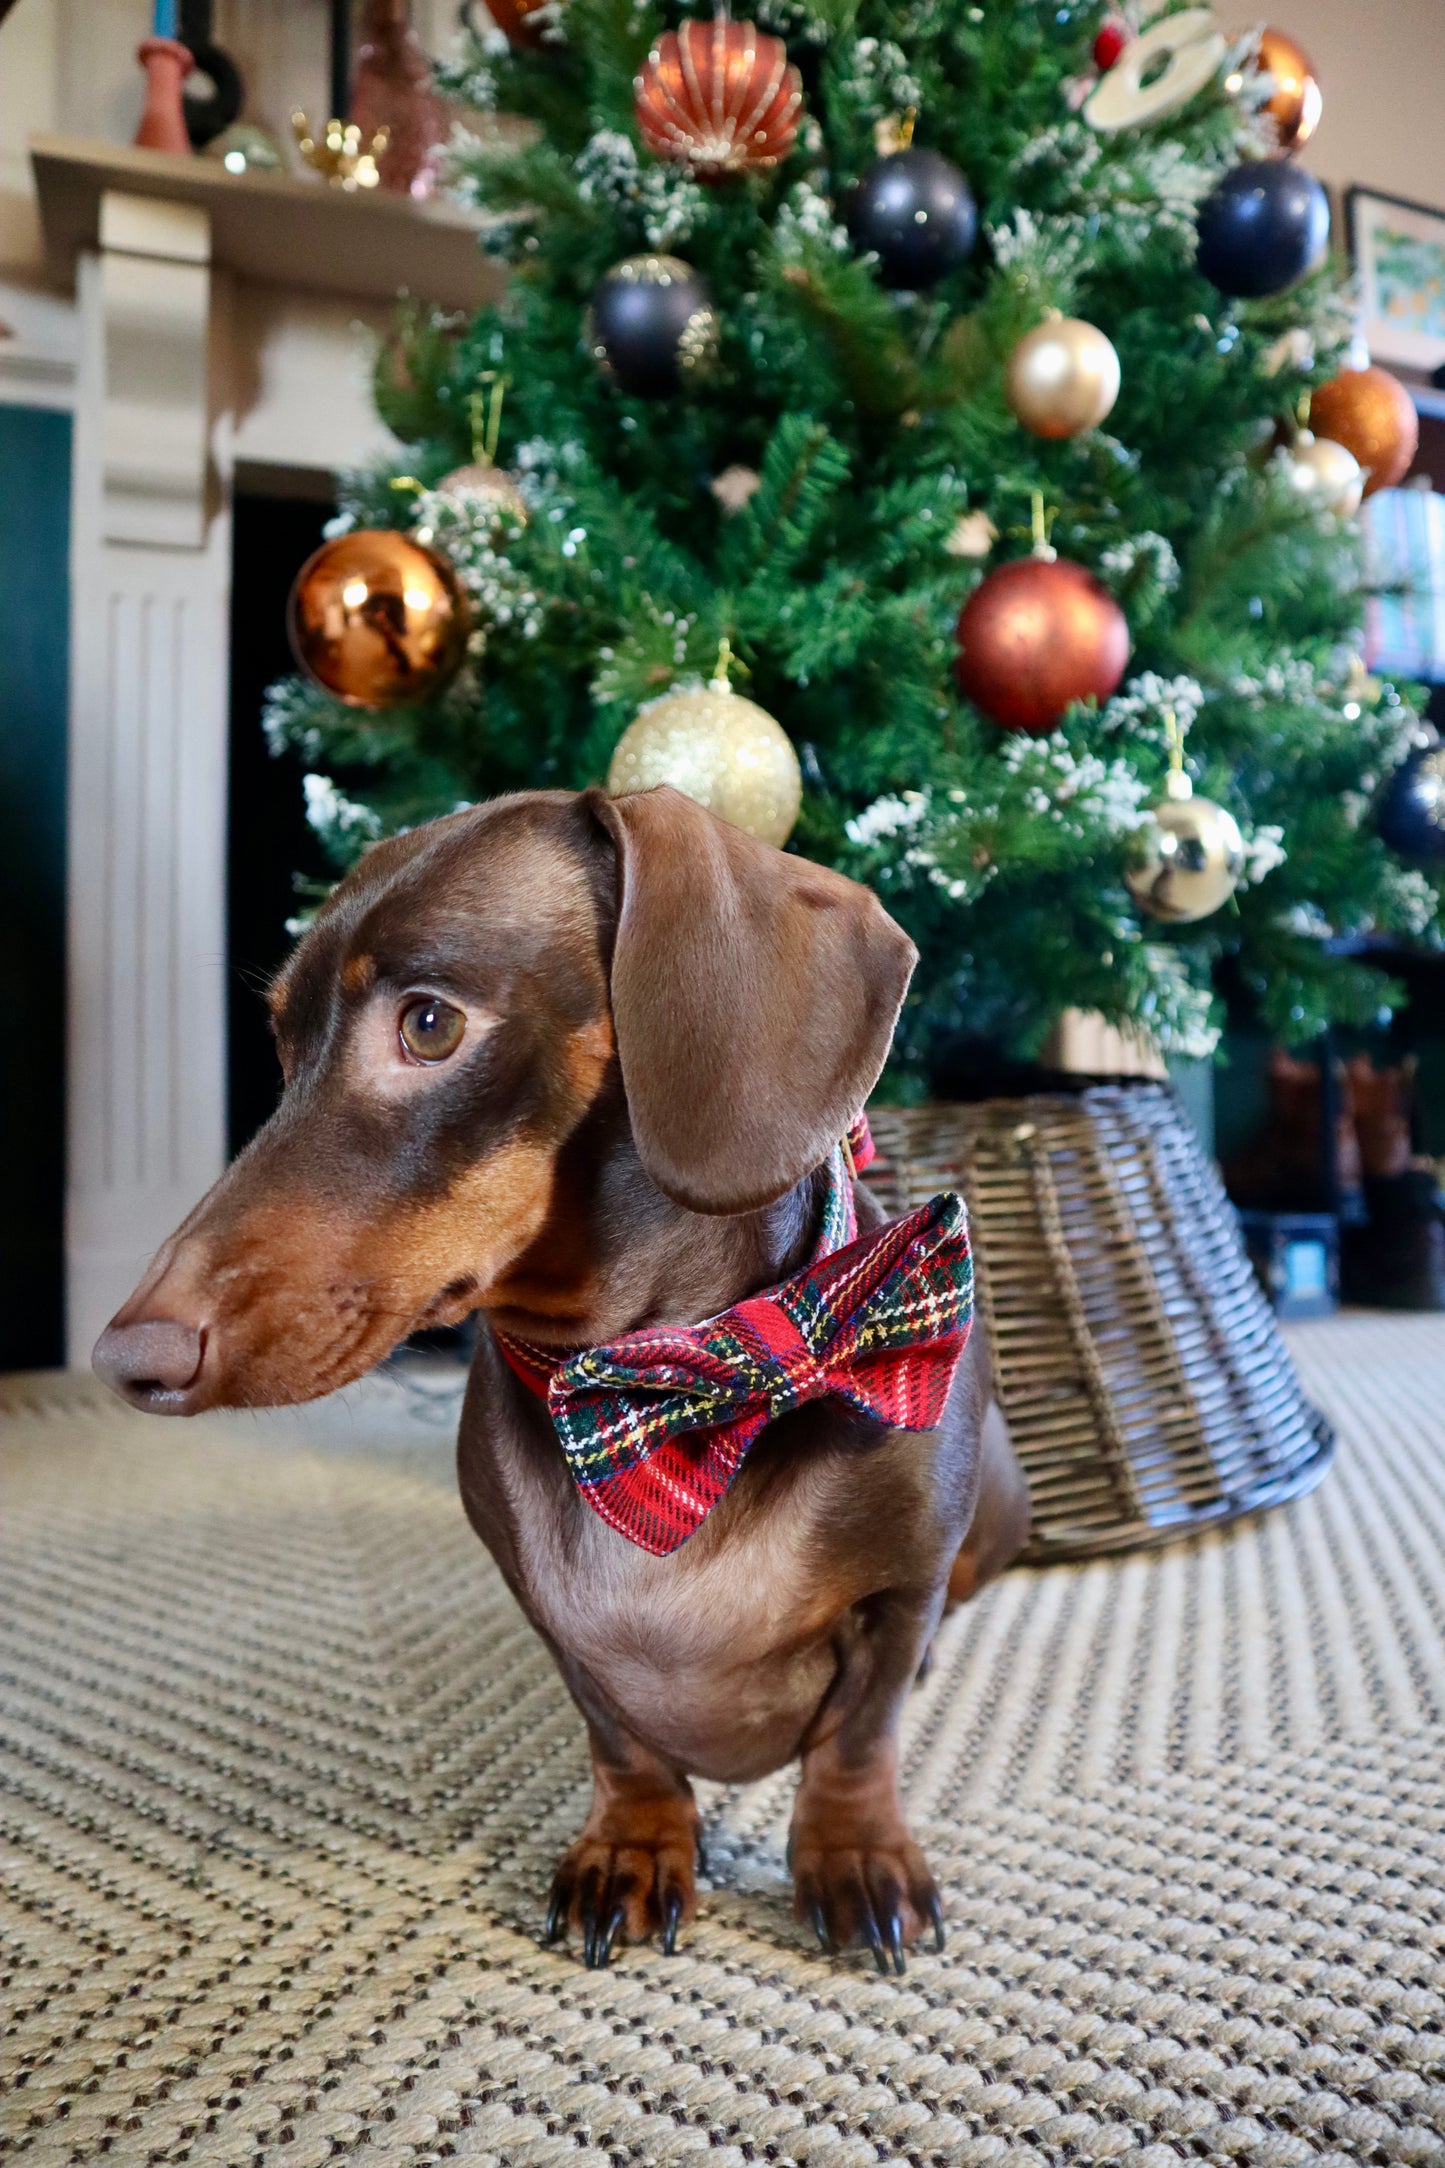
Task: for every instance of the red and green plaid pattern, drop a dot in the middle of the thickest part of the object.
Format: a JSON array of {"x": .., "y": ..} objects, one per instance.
[{"x": 656, "y": 1425}]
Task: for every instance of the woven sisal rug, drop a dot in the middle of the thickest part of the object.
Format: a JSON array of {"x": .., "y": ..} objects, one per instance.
[{"x": 286, "y": 1774}]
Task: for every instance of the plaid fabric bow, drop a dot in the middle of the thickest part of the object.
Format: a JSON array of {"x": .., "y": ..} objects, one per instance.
[{"x": 656, "y": 1425}]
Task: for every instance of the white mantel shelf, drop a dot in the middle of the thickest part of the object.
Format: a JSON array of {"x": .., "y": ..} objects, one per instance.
[{"x": 269, "y": 227}]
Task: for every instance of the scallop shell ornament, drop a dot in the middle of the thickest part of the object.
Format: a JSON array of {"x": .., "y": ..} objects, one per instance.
[{"x": 720, "y": 97}]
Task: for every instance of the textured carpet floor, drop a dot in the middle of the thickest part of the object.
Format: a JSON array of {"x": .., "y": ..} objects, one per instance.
[{"x": 285, "y": 1774}]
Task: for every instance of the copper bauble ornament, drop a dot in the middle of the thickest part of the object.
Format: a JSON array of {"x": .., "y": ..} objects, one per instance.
[
  {"x": 1293, "y": 108},
  {"x": 1325, "y": 472},
  {"x": 1063, "y": 376},
  {"x": 725, "y": 752},
  {"x": 719, "y": 97},
  {"x": 1035, "y": 636},
  {"x": 1187, "y": 858},
  {"x": 518, "y": 19},
  {"x": 483, "y": 487},
  {"x": 377, "y": 619},
  {"x": 1370, "y": 412}
]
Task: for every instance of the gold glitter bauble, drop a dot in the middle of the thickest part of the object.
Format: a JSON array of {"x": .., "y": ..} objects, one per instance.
[
  {"x": 1063, "y": 376},
  {"x": 378, "y": 620},
  {"x": 1370, "y": 412},
  {"x": 482, "y": 483},
  {"x": 1188, "y": 857},
  {"x": 725, "y": 752}
]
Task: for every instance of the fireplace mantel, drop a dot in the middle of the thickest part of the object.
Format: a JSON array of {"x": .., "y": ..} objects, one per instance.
[
  {"x": 222, "y": 325},
  {"x": 267, "y": 227}
]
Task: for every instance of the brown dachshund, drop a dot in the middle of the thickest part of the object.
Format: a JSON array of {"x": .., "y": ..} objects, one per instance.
[{"x": 576, "y": 1062}]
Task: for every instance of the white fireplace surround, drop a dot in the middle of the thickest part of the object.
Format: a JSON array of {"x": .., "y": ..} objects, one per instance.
[{"x": 222, "y": 330}]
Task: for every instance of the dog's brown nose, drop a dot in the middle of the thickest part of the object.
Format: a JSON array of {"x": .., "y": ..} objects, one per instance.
[{"x": 152, "y": 1364}]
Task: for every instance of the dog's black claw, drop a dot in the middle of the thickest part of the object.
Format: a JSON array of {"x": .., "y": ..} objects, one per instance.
[
  {"x": 603, "y": 1948},
  {"x": 895, "y": 1944},
  {"x": 671, "y": 1915},
  {"x": 820, "y": 1925},
  {"x": 700, "y": 1847},
  {"x": 935, "y": 1913},
  {"x": 875, "y": 1944},
  {"x": 555, "y": 1926}
]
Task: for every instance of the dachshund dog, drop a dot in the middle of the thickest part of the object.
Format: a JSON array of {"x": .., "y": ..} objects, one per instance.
[{"x": 576, "y": 1063}]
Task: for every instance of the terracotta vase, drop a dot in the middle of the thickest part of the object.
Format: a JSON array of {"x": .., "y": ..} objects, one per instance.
[
  {"x": 393, "y": 89},
  {"x": 167, "y": 63}
]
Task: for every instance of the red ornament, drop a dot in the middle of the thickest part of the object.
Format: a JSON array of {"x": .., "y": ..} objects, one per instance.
[
  {"x": 1113, "y": 37},
  {"x": 1034, "y": 636},
  {"x": 719, "y": 97}
]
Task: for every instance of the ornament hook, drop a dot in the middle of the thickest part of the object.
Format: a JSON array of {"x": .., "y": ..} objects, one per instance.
[
  {"x": 1176, "y": 784},
  {"x": 484, "y": 412}
]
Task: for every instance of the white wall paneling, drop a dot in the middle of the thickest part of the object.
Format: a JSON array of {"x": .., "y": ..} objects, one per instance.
[{"x": 150, "y": 579}]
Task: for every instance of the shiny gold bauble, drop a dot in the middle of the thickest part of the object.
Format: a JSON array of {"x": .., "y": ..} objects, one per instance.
[
  {"x": 725, "y": 752},
  {"x": 1296, "y": 102},
  {"x": 1370, "y": 412},
  {"x": 1188, "y": 857},
  {"x": 1325, "y": 472},
  {"x": 1063, "y": 376},
  {"x": 480, "y": 485},
  {"x": 378, "y": 620}
]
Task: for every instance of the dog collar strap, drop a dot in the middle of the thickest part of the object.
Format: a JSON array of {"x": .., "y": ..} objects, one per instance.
[{"x": 656, "y": 1425}]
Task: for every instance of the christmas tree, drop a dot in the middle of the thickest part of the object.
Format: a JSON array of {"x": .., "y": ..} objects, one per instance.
[{"x": 855, "y": 374}]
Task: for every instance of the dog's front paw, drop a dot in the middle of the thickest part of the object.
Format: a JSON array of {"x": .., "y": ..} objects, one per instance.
[
  {"x": 629, "y": 1875},
  {"x": 865, "y": 1886}
]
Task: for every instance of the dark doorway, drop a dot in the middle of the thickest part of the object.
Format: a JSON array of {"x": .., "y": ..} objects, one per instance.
[
  {"x": 34, "y": 636},
  {"x": 269, "y": 841}
]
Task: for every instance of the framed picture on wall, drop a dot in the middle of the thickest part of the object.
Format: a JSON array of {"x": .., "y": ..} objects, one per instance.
[{"x": 1399, "y": 251}]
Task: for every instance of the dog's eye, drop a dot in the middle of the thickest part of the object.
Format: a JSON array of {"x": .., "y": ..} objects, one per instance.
[{"x": 430, "y": 1029}]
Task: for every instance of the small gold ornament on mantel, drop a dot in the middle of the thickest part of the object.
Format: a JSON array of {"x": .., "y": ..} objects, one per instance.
[
  {"x": 722, "y": 751},
  {"x": 1190, "y": 854},
  {"x": 340, "y": 154},
  {"x": 481, "y": 485}
]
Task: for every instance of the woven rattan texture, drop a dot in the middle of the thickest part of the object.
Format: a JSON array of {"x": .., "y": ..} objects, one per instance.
[
  {"x": 285, "y": 1775},
  {"x": 1141, "y": 1373}
]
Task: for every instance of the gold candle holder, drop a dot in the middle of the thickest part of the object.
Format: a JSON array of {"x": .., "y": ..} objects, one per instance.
[{"x": 340, "y": 153}]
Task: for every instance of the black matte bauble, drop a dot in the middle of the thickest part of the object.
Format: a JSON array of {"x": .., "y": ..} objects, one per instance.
[
  {"x": 1412, "y": 810},
  {"x": 917, "y": 211},
  {"x": 652, "y": 325},
  {"x": 1261, "y": 228}
]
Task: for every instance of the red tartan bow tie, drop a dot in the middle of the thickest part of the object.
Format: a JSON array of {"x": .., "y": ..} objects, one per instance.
[{"x": 656, "y": 1424}]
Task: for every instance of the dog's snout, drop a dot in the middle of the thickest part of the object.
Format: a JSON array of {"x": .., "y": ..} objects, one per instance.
[{"x": 152, "y": 1363}]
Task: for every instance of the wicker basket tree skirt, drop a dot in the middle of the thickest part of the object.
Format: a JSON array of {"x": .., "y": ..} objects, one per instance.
[{"x": 1138, "y": 1366}]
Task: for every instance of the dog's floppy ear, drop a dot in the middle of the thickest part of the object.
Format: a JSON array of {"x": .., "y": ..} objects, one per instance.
[{"x": 753, "y": 995}]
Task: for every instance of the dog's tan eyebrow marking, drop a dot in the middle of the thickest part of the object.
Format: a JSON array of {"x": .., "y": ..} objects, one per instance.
[{"x": 359, "y": 975}]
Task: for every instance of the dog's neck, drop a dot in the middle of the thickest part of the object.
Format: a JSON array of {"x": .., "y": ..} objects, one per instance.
[{"x": 616, "y": 1254}]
